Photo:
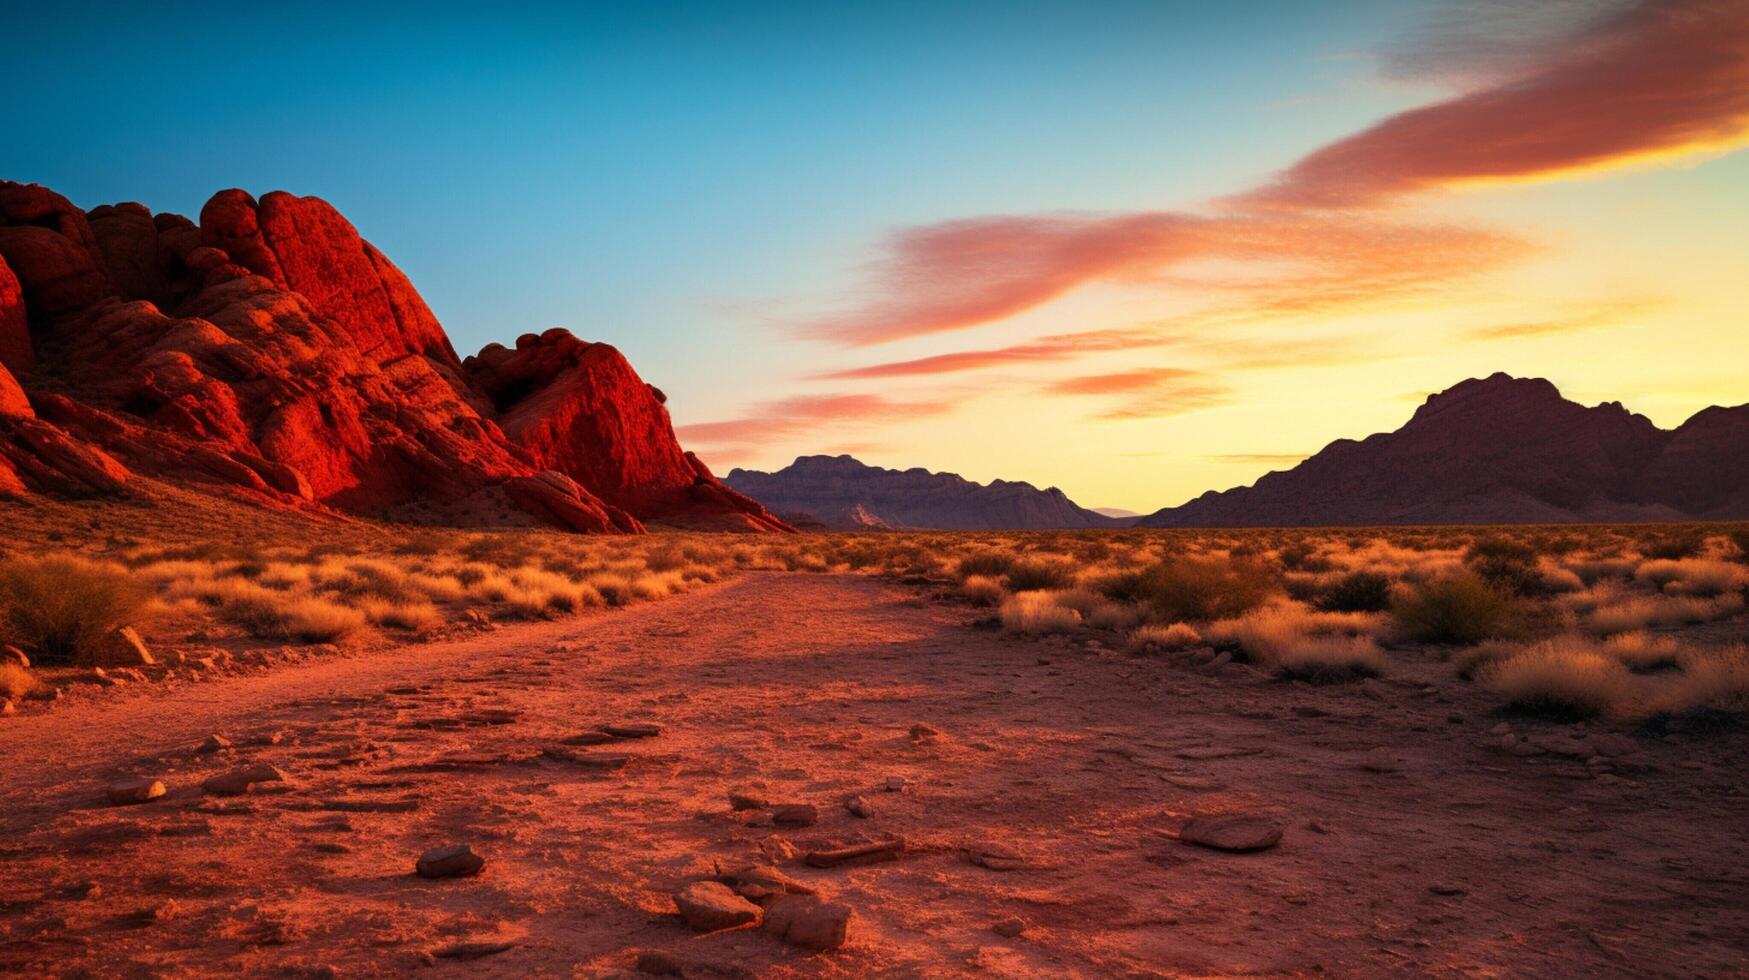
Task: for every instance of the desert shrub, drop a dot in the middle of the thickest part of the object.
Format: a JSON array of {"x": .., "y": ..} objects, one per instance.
[
  {"x": 59, "y": 608},
  {"x": 1716, "y": 682},
  {"x": 1561, "y": 679},
  {"x": 1181, "y": 589},
  {"x": 1032, "y": 574},
  {"x": 1644, "y": 653},
  {"x": 17, "y": 682},
  {"x": 1646, "y": 611},
  {"x": 983, "y": 590},
  {"x": 1037, "y": 613},
  {"x": 990, "y": 564},
  {"x": 1151, "y": 638},
  {"x": 1460, "y": 608},
  {"x": 1471, "y": 661},
  {"x": 1690, "y": 576},
  {"x": 1739, "y": 538},
  {"x": 1679, "y": 543},
  {"x": 1330, "y": 659},
  {"x": 1508, "y": 565},
  {"x": 1357, "y": 592},
  {"x": 417, "y": 617}
]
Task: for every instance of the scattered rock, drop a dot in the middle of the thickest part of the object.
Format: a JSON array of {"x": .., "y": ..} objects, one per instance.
[
  {"x": 473, "y": 950},
  {"x": 896, "y": 784},
  {"x": 777, "y": 850},
  {"x": 588, "y": 760},
  {"x": 923, "y": 733},
  {"x": 760, "y": 882},
  {"x": 659, "y": 963},
  {"x": 635, "y": 730},
  {"x": 7, "y": 707},
  {"x": 1235, "y": 832},
  {"x": 450, "y": 861},
  {"x": 885, "y": 850},
  {"x": 1380, "y": 760},
  {"x": 740, "y": 799},
  {"x": 214, "y": 743},
  {"x": 1613, "y": 746},
  {"x": 240, "y": 781},
  {"x": 806, "y": 921},
  {"x": 144, "y": 789},
  {"x": 859, "y": 807},
  {"x": 996, "y": 857},
  {"x": 708, "y": 906},
  {"x": 1206, "y": 752},
  {"x": 588, "y": 738},
  {"x": 1449, "y": 890},
  {"x": 794, "y": 815},
  {"x": 1009, "y": 927},
  {"x": 121, "y": 648},
  {"x": 1504, "y": 728}
]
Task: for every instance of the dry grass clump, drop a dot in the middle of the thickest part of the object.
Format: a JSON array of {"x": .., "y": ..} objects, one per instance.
[
  {"x": 1033, "y": 574},
  {"x": 17, "y": 682},
  {"x": 1705, "y": 577},
  {"x": 1643, "y": 612},
  {"x": 1715, "y": 684},
  {"x": 1330, "y": 659},
  {"x": 1644, "y": 653},
  {"x": 1037, "y": 614},
  {"x": 1300, "y": 643},
  {"x": 983, "y": 590},
  {"x": 1155, "y": 638},
  {"x": 1564, "y": 679},
  {"x": 1357, "y": 592},
  {"x": 58, "y": 609},
  {"x": 1460, "y": 608},
  {"x": 1187, "y": 588}
]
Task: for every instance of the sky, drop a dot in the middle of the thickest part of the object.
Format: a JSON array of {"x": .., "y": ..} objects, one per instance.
[{"x": 1135, "y": 250}]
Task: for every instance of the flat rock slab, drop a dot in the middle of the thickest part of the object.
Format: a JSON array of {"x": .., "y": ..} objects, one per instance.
[
  {"x": 709, "y": 906},
  {"x": 806, "y": 921},
  {"x": 240, "y": 781},
  {"x": 588, "y": 760},
  {"x": 794, "y": 814},
  {"x": 1216, "y": 752},
  {"x": 451, "y": 861},
  {"x": 125, "y": 792},
  {"x": 632, "y": 730},
  {"x": 1238, "y": 833},
  {"x": 886, "y": 850}
]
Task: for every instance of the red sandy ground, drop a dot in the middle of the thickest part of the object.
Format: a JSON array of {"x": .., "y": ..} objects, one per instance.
[{"x": 806, "y": 687}]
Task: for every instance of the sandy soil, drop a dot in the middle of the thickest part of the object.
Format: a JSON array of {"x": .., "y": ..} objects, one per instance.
[{"x": 1413, "y": 844}]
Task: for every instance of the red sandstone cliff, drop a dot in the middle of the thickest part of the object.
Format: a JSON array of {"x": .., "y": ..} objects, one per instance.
[{"x": 273, "y": 352}]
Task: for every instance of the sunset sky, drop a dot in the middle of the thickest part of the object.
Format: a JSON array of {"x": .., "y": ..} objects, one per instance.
[{"x": 1134, "y": 250}]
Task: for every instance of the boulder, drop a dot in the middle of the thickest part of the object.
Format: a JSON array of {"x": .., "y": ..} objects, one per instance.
[
  {"x": 15, "y": 348},
  {"x": 808, "y": 921},
  {"x": 708, "y": 906},
  {"x": 450, "y": 861},
  {"x": 120, "y": 648}
]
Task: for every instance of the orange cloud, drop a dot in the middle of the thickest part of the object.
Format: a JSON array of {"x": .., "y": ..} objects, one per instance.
[
  {"x": 1053, "y": 348},
  {"x": 1663, "y": 78},
  {"x": 773, "y": 421},
  {"x": 1150, "y": 392},
  {"x": 1585, "y": 320}
]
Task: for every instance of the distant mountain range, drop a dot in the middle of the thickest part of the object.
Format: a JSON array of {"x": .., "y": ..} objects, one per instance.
[
  {"x": 843, "y": 493},
  {"x": 1502, "y": 450}
]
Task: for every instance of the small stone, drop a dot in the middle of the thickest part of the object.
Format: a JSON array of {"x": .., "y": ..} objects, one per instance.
[
  {"x": 659, "y": 963},
  {"x": 1236, "y": 832},
  {"x": 121, "y": 648},
  {"x": 1449, "y": 890},
  {"x": 885, "y": 850},
  {"x": 450, "y": 861},
  {"x": 761, "y": 881},
  {"x": 1010, "y": 927},
  {"x": 740, "y": 799},
  {"x": 1613, "y": 746},
  {"x": 214, "y": 743},
  {"x": 923, "y": 733},
  {"x": 240, "y": 781},
  {"x": 82, "y": 891},
  {"x": 1381, "y": 761},
  {"x": 1504, "y": 728},
  {"x": 896, "y": 784},
  {"x": 794, "y": 814},
  {"x": 996, "y": 857},
  {"x": 708, "y": 906},
  {"x": 473, "y": 950},
  {"x": 859, "y": 807},
  {"x": 125, "y": 792},
  {"x": 7, "y": 707},
  {"x": 588, "y": 738},
  {"x": 632, "y": 730},
  {"x": 777, "y": 850},
  {"x": 806, "y": 921}
]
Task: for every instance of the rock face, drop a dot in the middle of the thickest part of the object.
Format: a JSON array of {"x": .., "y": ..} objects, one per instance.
[
  {"x": 841, "y": 492},
  {"x": 1501, "y": 450},
  {"x": 274, "y": 353}
]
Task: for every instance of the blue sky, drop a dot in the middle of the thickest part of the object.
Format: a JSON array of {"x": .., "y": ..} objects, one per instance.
[{"x": 696, "y": 182}]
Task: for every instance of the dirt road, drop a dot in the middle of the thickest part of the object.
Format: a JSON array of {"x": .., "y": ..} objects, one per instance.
[{"x": 1411, "y": 846}]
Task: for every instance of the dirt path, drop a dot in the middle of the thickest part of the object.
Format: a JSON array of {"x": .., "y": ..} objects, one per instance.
[{"x": 1410, "y": 848}]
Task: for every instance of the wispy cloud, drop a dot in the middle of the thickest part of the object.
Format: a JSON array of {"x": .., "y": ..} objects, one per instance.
[
  {"x": 1148, "y": 392},
  {"x": 1615, "y": 86},
  {"x": 1057, "y": 347},
  {"x": 1575, "y": 322},
  {"x": 775, "y": 421},
  {"x": 1254, "y": 459}
]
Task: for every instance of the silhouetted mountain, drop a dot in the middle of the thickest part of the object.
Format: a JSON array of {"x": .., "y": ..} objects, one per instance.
[
  {"x": 1501, "y": 450},
  {"x": 841, "y": 492}
]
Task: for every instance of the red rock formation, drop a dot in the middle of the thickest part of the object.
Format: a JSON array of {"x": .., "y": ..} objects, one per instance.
[
  {"x": 15, "y": 350},
  {"x": 274, "y": 352}
]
